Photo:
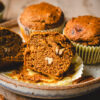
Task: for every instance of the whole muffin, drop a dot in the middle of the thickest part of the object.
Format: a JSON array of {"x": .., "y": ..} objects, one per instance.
[
  {"x": 41, "y": 17},
  {"x": 84, "y": 32},
  {"x": 10, "y": 45}
]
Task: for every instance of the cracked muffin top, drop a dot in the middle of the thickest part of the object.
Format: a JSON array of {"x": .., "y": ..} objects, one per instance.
[
  {"x": 49, "y": 54},
  {"x": 42, "y": 16},
  {"x": 84, "y": 30}
]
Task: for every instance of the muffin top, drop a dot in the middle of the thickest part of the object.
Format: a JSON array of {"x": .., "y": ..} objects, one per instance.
[
  {"x": 42, "y": 16},
  {"x": 84, "y": 30},
  {"x": 49, "y": 54}
]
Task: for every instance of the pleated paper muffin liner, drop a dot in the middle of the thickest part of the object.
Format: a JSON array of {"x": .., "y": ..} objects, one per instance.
[
  {"x": 89, "y": 54},
  {"x": 27, "y": 31}
]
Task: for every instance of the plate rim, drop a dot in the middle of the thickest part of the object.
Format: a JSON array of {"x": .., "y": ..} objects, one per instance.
[{"x": 9, "y": 80}]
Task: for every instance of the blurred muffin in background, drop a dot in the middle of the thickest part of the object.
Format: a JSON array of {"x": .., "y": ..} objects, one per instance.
[
  {"x": 1, "y": 10},
  {"x": 2, "y": 97},
  {"x": 84, "y": 32},
  {"x": 42, "y": 17}
]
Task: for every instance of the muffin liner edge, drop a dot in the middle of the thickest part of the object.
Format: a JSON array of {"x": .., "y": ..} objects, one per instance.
[
  {"x": 89, "y": 54},
  {"x": 26, "y": 31}
]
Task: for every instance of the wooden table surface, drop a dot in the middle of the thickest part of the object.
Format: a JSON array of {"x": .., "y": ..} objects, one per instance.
[{"x": 71, "y": 8}]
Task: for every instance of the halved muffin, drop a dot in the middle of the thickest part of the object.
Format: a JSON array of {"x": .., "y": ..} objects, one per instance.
[
  {"x": 42, "y": 17},
  {"x": 49, "y": 54},
  {"x": 10, "y": 45}
]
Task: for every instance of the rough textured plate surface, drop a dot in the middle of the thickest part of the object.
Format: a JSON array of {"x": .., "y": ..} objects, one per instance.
[{"x": 50, "y": 92}]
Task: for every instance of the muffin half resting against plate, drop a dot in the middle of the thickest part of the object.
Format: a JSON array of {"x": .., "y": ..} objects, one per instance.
[
  {"x": 11, "y": 48},
  {"x": 49, "y": 59},
  {"x": 42, "y": 17},
  {"x": 84, "y": 32}
]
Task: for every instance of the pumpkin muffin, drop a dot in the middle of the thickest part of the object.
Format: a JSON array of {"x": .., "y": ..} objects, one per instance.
[
  {"x": 10, "y": 45},
  {"x": 41, "y": 17},
  {"x": 49, "y": 54},
  {"x": 84, "y": 32}
]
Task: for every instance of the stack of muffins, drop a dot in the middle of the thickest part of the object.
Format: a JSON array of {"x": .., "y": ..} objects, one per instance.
[{"x": 51, "y": 55}]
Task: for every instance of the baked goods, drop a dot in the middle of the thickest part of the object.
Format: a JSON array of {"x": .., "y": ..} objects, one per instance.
[
  {"x": 49, "y": 54},
  {"x": 49, "y": 59},
  {"x": 41, "y": 17},
  {"x": 10, "y": 45},
  {"x": 84, "y": 32}
]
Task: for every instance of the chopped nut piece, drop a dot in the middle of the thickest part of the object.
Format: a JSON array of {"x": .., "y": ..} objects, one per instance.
[
  {"x": 61, "y": 51},
  {"x": 7, "y": 49},
  {"x": 50, "y": 60},
  {"x": 57, "y": 50},
  {"x": 45, "y": 57}
]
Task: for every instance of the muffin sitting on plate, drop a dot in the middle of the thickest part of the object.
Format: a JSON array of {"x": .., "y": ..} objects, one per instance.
[
  {"x": 84, "y": 32},
  {"x": 42, "y": 17}
]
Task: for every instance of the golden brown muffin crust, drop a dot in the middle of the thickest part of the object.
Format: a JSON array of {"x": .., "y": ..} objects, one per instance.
[
  {"x": 84, "y": 29},
  {"x": 42, "y": 16}
]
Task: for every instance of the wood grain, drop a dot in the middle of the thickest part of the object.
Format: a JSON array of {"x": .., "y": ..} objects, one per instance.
[
  {"x": 12, "y": 96},
  {"x": 71, "y": 8}
]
